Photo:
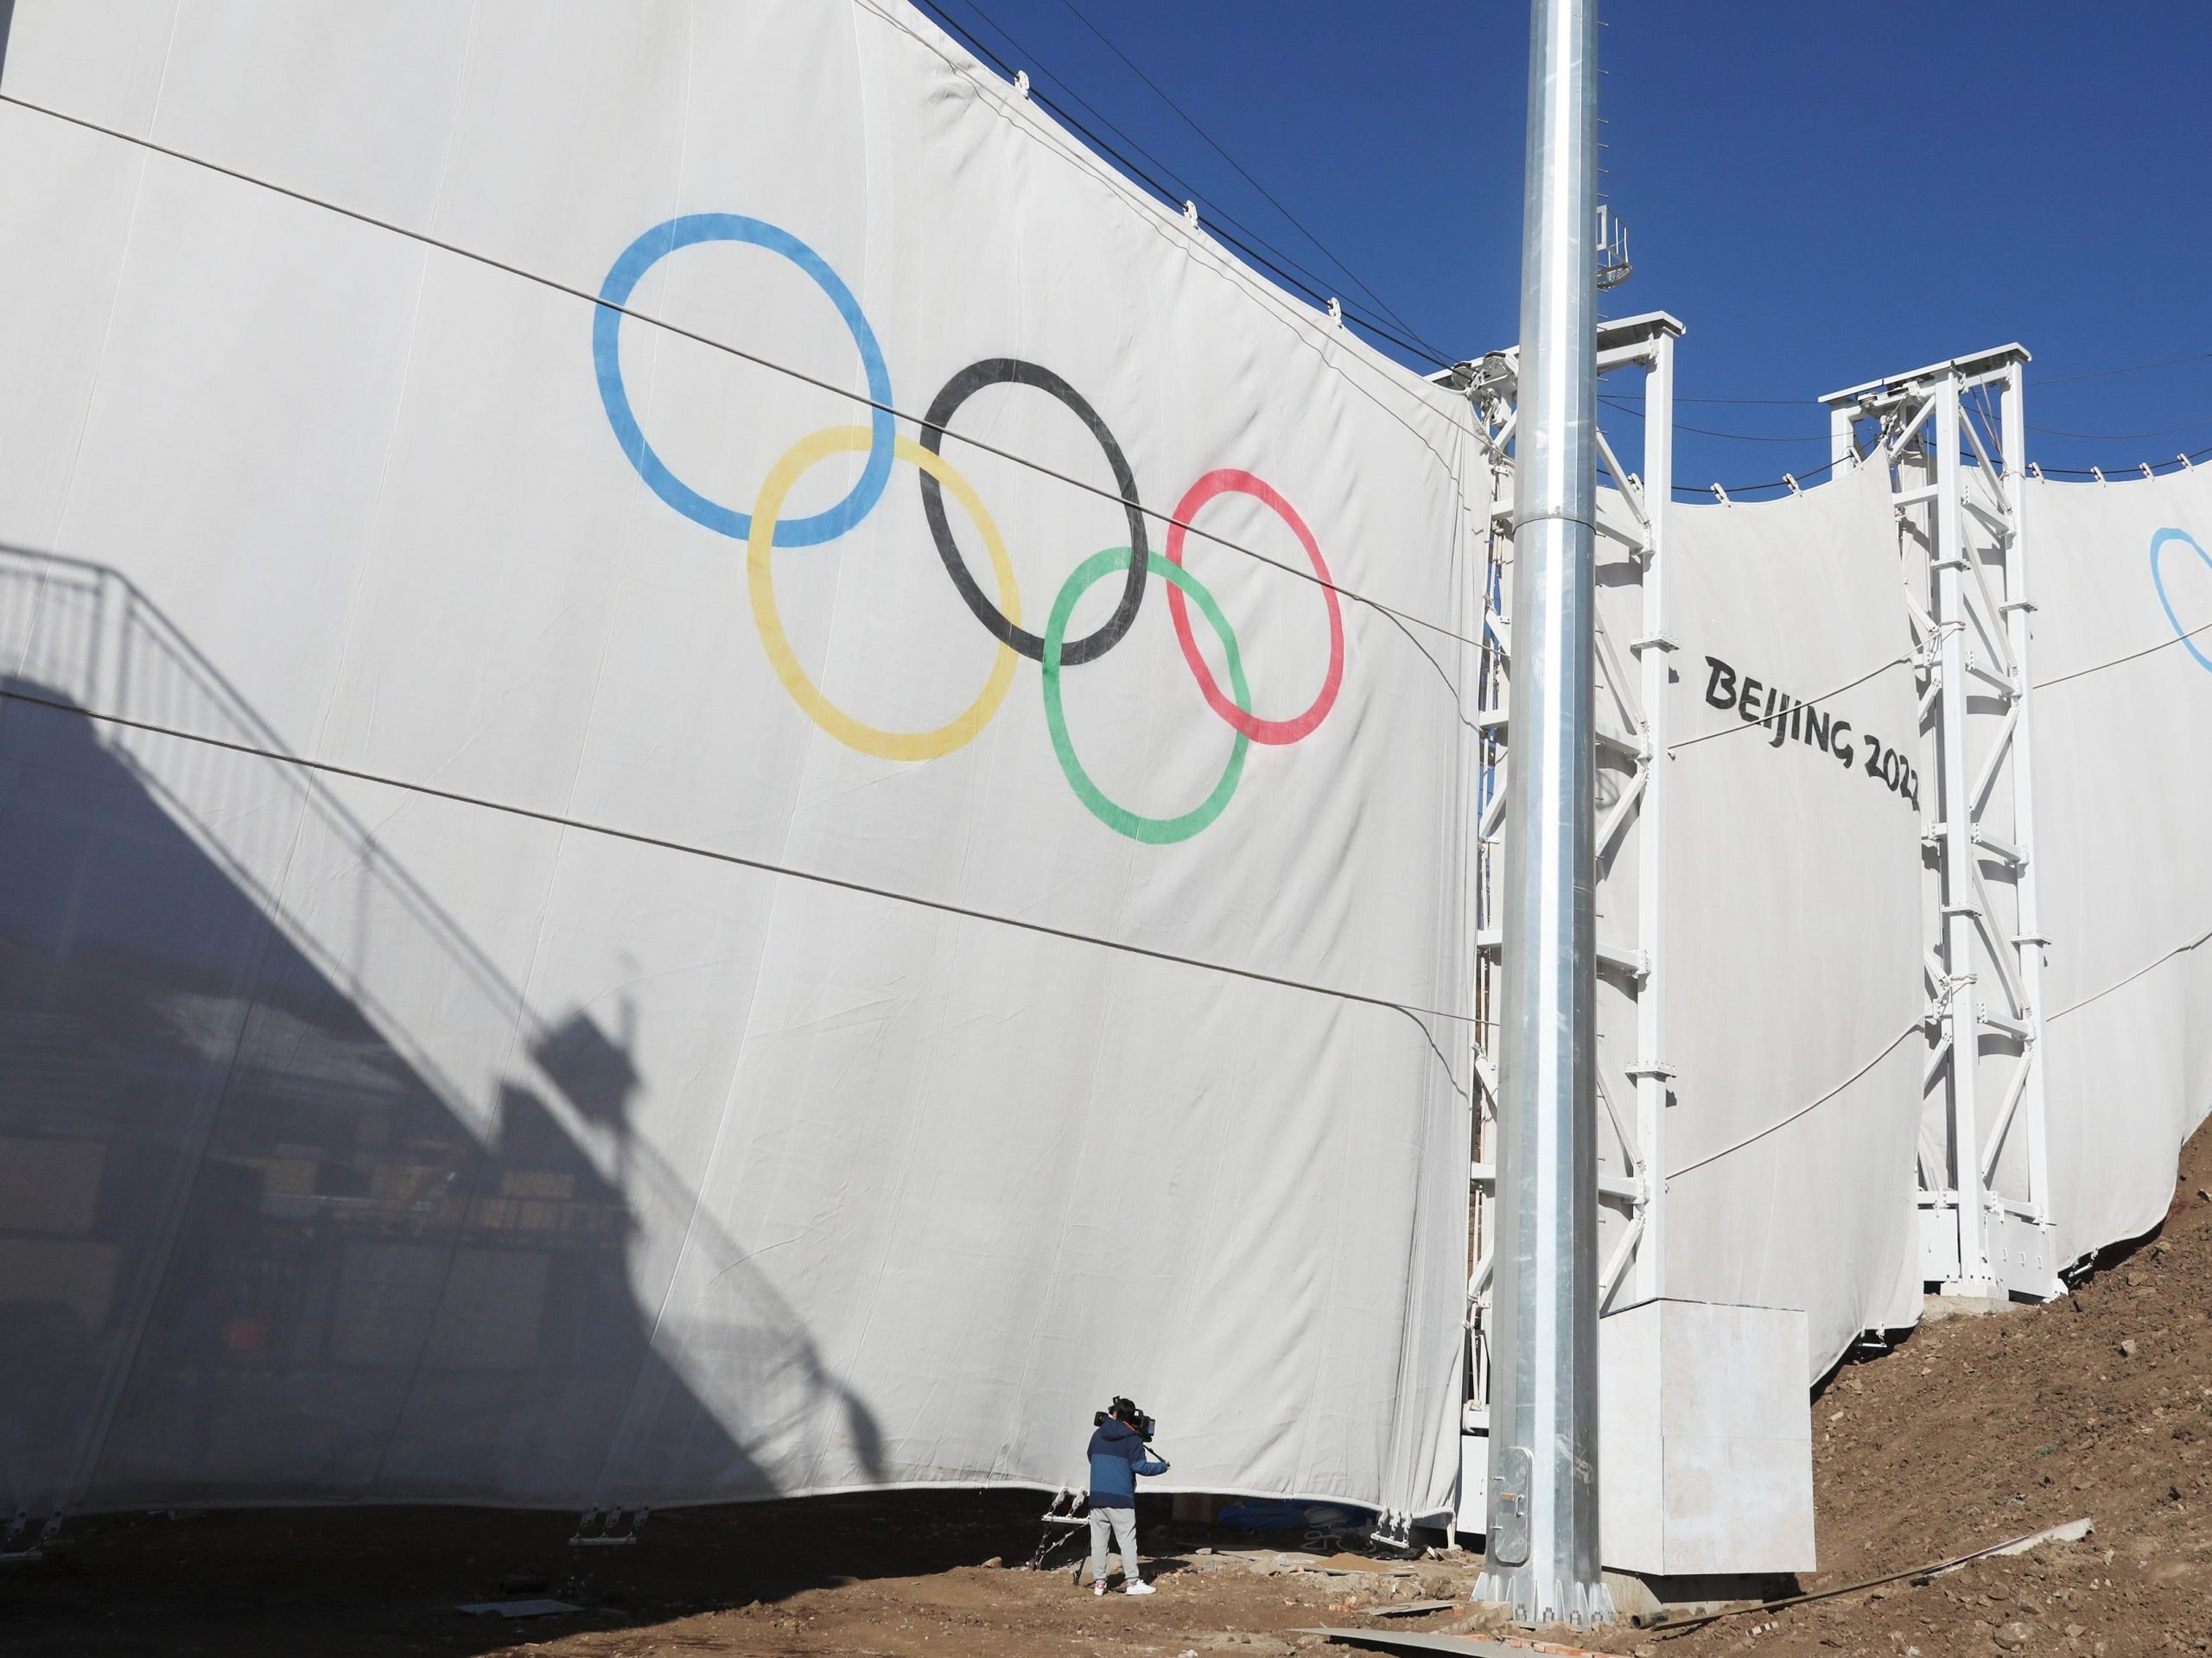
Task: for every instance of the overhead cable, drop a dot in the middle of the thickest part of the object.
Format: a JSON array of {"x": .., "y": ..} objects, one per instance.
[
  {"x": 2124, "y": 437},
  {"x": 1254, "y": 248},
  {"x": 1803, "y": 1111},
  {"x": 1772, "y": 403},
  {"x": 1766, "y": 725},
  {"x": 2133, "y": 656},
  {"x": 1703, "y": 431},
  {"x": 1307, "y": 282},
  {"x": 1409, "y": 340},
  {"x": 2157, "y": 468},
  {"x": 1753, "y": 437},
  {"x": 2178, "y": 463},
  {"x": 1804, "y": 477},
  {"x": 2197, "y": 943},
  {"x": 2132, "y": 368},
  {"x": 1269, "y": 195},
  {"x": 1629, "y": 402},
  {"x": 2037, "y": 381},
  {"x": 559, "y": 287},
  {"x": 763, "y": 866}
]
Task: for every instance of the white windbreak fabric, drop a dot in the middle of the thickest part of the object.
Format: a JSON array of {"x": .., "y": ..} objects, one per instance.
[
  {"x": 1793, "y": 991},
  {"x": 931, "y": 1061},
  {"x": 2122, "y": 581}
]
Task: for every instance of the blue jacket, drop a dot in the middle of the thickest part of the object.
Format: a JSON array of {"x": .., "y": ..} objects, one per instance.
[{"x": 1117, "y": 1457}]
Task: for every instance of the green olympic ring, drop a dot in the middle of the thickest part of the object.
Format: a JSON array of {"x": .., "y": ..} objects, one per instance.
[{"x": 1153, "y": 831}]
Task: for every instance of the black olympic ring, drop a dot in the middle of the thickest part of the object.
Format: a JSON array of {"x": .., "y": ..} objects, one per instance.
[{"x": 1012, "y": 371}]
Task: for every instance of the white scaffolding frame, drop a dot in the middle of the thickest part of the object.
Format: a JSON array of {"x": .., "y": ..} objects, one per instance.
[
  {"x": 1956, "y": 474},
  {"x": 1632, "y": 727}
]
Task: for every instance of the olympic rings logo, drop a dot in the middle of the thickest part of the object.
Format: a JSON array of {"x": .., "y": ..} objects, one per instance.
[
  {"x": 2159, "y": 580},
  {"x": 764, "y": 528}
]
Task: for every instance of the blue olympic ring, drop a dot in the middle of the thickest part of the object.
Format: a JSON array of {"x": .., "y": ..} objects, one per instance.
[
  {"x": 607, "y": 359},
  {"x": 2158, "y": 540}
]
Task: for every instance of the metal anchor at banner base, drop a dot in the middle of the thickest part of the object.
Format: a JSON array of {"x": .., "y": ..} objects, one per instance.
[{"x": 602, "y": 1528}]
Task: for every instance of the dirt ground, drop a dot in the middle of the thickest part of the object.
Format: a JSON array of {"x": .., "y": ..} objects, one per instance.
[
  {"x": 1968, "y": 1433},
  {"x": 901, "y": 1572},
  {"x": 1974, "y": 1430}
]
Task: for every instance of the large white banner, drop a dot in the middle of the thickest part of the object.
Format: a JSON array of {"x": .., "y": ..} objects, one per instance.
[
  {"x": 1793, "y": 985},
  {"x": 823, "y": 944},
  {"x": 2121, "y": 577}
]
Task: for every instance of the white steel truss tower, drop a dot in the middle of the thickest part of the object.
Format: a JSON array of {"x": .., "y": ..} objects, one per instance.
[
  {"x": 1951, "y": 438},
  {"x": 1631, "y": 738}
]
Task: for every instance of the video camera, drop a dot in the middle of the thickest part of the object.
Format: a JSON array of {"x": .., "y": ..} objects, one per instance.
[{"x": 1126, "y": 1410}]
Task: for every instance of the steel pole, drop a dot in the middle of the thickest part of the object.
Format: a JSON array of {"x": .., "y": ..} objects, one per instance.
[{"x": 1541, "y": 1556}]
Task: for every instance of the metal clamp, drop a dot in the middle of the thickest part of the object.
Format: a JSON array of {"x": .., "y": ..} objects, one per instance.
[
  {"x": 1394, "y": 1529},
  {"x": 609, "y": 1527},
  {"x": 19, "y": 1546},
  {"x": 1509, "y": 1538}
]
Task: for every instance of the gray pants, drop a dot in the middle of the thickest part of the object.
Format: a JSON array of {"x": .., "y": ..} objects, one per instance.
[{"x": 1124, "y": 1524}]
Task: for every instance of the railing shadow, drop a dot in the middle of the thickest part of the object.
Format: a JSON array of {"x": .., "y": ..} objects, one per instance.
[{"x": 300, "y": 1198}]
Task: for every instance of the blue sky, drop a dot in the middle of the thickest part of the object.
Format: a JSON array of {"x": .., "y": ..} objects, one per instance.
[{"x": 1823, "y": 193}]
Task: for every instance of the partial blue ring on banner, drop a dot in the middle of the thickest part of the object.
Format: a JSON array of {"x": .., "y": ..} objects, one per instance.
[
  {"x": 640, "y": 257},
  {"x": 2159, "y": 540}
]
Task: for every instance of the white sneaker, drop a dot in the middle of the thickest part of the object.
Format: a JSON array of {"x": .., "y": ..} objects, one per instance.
[
  {"x": 1139, "y": 1586},
  {"x": 1098, "y": 1585}
]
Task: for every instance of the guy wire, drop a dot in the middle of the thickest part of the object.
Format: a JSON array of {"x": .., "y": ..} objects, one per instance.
[{"x": 559, "y": 287}]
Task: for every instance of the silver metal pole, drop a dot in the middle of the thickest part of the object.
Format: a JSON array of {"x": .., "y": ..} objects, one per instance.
[{"x": 1542, "y": 1557}]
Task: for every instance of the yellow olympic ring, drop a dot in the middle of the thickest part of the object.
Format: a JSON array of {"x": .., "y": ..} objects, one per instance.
[{"x": 759, "y": 572}]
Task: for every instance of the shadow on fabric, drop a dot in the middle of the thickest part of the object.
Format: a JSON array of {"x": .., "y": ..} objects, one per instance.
[{"x": 250, "y": 1251}]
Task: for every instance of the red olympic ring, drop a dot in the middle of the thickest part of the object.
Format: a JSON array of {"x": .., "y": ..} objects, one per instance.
[{"x": 1229, "y": 481}]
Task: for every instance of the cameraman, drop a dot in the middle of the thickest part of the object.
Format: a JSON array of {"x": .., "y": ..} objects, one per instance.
[{"x": 1118, "y": 1455}]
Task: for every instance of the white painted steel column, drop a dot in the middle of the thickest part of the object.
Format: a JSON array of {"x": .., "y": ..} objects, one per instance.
[
  {"x": 1842, "y": 450},
  {"x": 1960, "y": 901},
  {"x": 1541, "y": 1556},
  {"x": 1655, "y": 653},
  {"x": 2019, "y": 626}
]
